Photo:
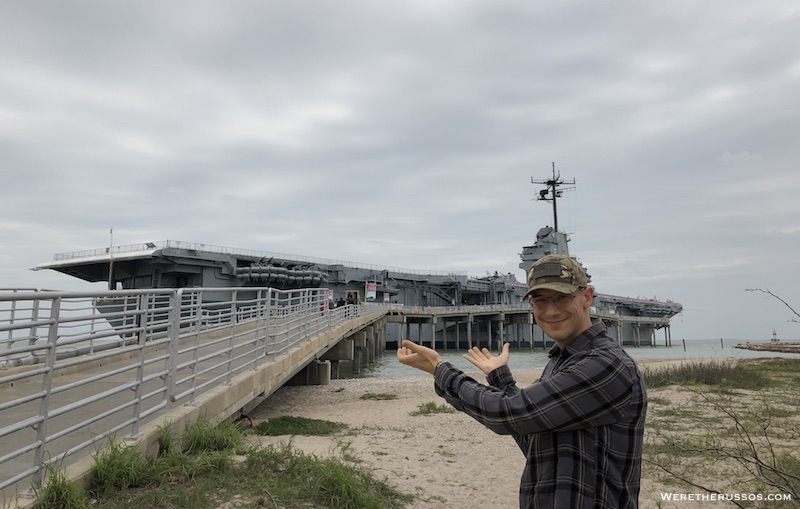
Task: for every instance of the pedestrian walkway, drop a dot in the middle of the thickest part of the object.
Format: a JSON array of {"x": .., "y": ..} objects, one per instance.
[{"x": 79, "y": 369}]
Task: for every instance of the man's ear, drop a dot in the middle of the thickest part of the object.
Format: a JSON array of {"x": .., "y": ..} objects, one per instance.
[{"x": 588, "y": 296}]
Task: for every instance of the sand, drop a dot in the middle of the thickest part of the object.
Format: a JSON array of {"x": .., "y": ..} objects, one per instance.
[{"x": 446, "y": 460}]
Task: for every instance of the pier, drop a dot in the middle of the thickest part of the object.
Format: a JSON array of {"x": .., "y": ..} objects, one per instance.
[
  {"x": 462, "y": 327},
  {"x": 80, "y": 368},
  {"x": 774, "y": 346}
]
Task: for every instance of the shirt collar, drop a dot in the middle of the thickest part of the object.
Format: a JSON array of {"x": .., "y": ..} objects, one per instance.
[{"x": 579, "y": 344}]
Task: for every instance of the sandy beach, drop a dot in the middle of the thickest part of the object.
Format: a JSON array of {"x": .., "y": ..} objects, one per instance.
[{"x": 447, "y": 460}]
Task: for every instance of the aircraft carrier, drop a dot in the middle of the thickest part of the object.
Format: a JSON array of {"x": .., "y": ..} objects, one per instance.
[{"x": 178, "y": 264}]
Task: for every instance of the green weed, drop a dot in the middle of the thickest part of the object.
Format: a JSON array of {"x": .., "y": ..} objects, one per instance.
[
  {"x": 378, "y": 396},
  {"x": 200, "y": 477},
  {"x": 310, "y": 481},
  {"x": 431, "y": 408},
  {"x": 290, "y": 425},
  {"x": 723, "y": 374},
  {"x": 117, "y": 467},
  {"x": 59, "y": 493},
  {"x": 203, "y": 436},
  {"x": 167, "y": 439}
]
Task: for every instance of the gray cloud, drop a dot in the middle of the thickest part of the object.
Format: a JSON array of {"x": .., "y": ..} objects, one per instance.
[{"x": 408, "y": 135}]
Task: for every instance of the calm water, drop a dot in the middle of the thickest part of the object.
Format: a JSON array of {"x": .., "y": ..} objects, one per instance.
[{"x": 387, "y": 365}]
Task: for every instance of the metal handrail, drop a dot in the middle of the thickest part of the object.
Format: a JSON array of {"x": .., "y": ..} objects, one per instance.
[{"x": 94, "y": 364}]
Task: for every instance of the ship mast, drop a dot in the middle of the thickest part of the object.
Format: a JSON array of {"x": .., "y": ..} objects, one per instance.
[{"x": 552, "y": 192}]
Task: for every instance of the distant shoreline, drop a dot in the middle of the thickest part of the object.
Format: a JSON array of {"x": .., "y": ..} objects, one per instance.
[{"x": 780, "y": 346}]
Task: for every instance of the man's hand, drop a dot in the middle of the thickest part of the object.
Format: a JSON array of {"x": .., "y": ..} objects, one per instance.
[
  {"x": 418, "y": 356},
  {"x": 484, "y": 360}
]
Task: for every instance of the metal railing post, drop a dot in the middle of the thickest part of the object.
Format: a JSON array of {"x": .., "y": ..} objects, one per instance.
[
  {"x": 195, "y": 312},
  {"x": 267, "y": 328},
  {"x": 197, "y": 301},
  {"x": 142, "y": 340},
  {"x": 47, "y": 387},
  {"x": 92, "y": 326},
  {"x": 231, "y": 341},
  {"x": 259, "y": 316},
  {"x": 173, "y": 332},
  {"x": 11, "y": 318},
  {"x": 35, "y": 318}
]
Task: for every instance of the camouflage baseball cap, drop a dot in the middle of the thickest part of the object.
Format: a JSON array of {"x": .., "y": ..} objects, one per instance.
[{"x": 556, "y": 272}]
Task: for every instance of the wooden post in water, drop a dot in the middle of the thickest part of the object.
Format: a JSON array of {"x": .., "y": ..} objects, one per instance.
[{"x": 684, "y": 344}]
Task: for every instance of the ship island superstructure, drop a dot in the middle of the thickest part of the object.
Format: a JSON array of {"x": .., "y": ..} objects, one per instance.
[
  {"x": 449, "y": 301},
  {"x": 625, "y": 316}
]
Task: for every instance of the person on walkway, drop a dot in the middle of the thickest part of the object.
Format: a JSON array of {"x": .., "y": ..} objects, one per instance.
[{"x": 581, "y": 426}]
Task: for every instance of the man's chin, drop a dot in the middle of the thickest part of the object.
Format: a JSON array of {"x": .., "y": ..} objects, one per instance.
[
  {"x": 550, "y": 328},
  {"x": 553, "y": 334}
]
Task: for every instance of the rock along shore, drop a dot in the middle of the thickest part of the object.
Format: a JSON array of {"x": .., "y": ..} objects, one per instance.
[{"x": 781, "y": 347}]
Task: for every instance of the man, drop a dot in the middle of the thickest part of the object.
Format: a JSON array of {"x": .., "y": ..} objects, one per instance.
[{"x": 581, "y": 426}]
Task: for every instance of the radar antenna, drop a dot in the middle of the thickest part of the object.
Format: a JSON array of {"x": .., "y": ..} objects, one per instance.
[{"x": 552, "y": 192}]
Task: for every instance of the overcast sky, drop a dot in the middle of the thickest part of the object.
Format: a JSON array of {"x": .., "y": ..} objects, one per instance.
[{"x": 407, "y": 133}]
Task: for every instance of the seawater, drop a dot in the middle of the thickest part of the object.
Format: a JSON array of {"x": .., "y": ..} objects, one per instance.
[{"x": 388, "y": 366}]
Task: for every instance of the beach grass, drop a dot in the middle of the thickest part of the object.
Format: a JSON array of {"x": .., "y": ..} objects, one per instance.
[
  {"x": 58, "y": 493},
  {"x": 775, "y": 364},
  {"x": 723, "y": 374},
  {"x": 291, "y": 425},
  {"x": 378, "y": 396},
  {"x": 432, "y": 408},
  {"x": 209, "y": 467},
  {"x": 731, "y": 427}
]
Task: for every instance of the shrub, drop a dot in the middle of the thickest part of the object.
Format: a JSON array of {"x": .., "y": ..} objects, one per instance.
[
  {"x": 118, "y": 467},
  {"x": 718, "y": 373},
  {"x": 378, "y": 396},
  {"x": 202, "y": 436},
  {"x": 432, "y": 408},
  {"x": 290, "y": 425},
  {"x": 58, "y": 493}
]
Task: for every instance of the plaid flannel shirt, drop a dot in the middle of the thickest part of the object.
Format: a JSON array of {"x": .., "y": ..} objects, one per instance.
[{"x": 581, "y": 426}]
